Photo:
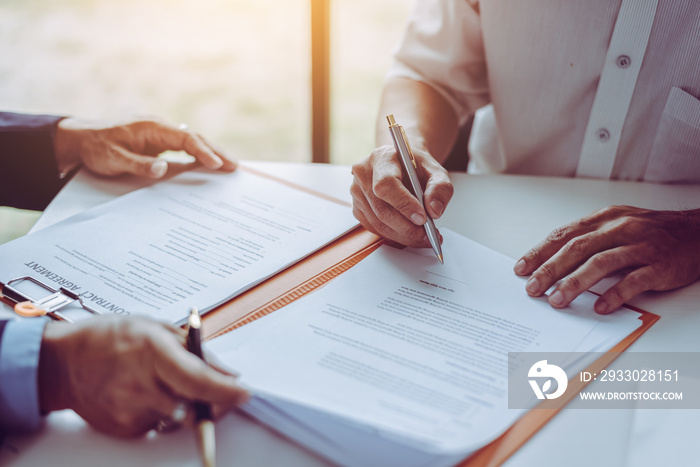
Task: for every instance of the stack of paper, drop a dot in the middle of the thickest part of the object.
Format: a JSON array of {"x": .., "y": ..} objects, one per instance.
[
  {"x": 403, "y": 361},
  {"x": 198, "y": 239}
]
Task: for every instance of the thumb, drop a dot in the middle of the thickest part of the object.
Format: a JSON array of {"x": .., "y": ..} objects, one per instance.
[
  {"x": 438, "y": 192},
  {"x": 143, "y": 166}
]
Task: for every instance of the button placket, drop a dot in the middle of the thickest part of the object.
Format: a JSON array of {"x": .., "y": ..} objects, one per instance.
[{"x": 615, "y": 88}]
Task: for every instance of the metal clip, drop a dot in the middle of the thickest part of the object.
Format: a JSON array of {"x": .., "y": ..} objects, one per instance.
[{"x": 24, "y": 305}]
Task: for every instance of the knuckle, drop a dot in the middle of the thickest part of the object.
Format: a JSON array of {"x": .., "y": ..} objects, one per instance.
[
  {"x": 547, "y": 271},
  {"x": 662, "y": 267},
  {"x": 576, "y": 247},
  {"x": 572, "y": 284},
  {"x": 532, "y": 257},
  {"x": 404, "y": 205},
  {"x": 559, "y": 234},
  {"x": 359, "y": 168},
  {"x": 384, "y": 212},
  {"x": 356, "y": 190},
  {"x": 384, "y": 186},
  {"x": 601, "y": 262},
  {"x": 384, "y": 230},
  {"x": 614, "y": 296},
  {"x": 613, "y": 211},
  {"x": 637, "y": 281},
  {"x": 632, "y": 229},
  {"x": 608, "y": 211}
]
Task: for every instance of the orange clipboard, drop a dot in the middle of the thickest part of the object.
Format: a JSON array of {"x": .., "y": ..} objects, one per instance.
[{"x": 292, "y": 283}]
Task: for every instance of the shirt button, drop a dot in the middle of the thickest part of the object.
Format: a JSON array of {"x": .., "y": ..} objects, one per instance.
[
  {"x": 623, "y": 61},
  {"x": 602, "y": 134}
]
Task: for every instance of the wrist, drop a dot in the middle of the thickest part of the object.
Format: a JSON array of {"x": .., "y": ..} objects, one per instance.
[
  {"x": 52, "y": 375},
  {"x": 66, "y": 147}
]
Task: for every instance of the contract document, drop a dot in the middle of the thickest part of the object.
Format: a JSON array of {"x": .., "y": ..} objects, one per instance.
[
  {"x": 404, "y": 361},
  {"x": 198, "y": 239}
]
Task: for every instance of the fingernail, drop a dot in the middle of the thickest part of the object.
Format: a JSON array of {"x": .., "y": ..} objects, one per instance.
[
  {"x": 417, "y": 219},
  {"x": 158, "y": 168},
  {"x": 557, "y": 298},
  {"x": 533, "y": 285},
  {"x": 217, "y": 163},
  {"x": 601, "y": 308},
  {"x": 437, "y": 208},
  {"x": 519, "y": 267}
]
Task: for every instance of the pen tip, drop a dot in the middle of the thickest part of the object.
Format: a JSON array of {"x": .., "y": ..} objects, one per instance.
[{"x": 441, "y": 260}]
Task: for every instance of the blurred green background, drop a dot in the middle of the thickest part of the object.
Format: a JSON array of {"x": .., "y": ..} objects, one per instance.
[{"x": 237, "y": 71}]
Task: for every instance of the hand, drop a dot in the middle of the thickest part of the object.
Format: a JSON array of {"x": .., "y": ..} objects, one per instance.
[
  {"x": 123, "y": 375},
  {"x": 386, "y": 207},
  {"x": 655, "y": 250},
  {"x": 130, "y": 146}
]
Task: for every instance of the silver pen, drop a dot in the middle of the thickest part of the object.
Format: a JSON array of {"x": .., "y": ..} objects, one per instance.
[{"x": 403, "y": 148}]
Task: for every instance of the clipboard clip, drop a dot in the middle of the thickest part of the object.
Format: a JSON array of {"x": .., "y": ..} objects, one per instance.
[{"x": 24, "y": 305}]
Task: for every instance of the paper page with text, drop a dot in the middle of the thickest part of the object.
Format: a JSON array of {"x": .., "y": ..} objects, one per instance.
[
  {"x": 412, "y": 348},
  {"x": 198, "y": 239}
]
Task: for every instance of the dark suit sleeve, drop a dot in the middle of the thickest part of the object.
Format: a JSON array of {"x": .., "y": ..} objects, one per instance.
[{"x": 29, "y": 177}]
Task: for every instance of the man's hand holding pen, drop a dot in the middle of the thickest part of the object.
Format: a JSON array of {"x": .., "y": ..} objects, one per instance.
[
  {"x": 124, "y": 375},
  {"x": 385, "y": 206}
]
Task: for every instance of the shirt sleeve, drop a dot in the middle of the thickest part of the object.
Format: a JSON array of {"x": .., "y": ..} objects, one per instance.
[
  {"x": 443, "y": 48},
  {"x": 19, "y": 362},
  {"x": 29, "y": 175}
]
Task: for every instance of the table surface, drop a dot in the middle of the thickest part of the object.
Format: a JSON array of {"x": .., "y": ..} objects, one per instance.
[{"x": 509, "y": 214}]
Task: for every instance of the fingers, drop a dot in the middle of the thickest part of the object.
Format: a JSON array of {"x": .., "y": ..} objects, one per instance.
[
  {"x": 400, "y": 230},
  {"x": 634, "y": 283},
  {"x": 559, "y": 237},
  {"x": 387, "y": 187},
  {"x": 544, "y": 250},
  {"x": 569, "y": 257},
  {"x": 126, "y": 161},
  {"x": 591, "y": 272},
  {"x": 128, "y": 146},
  {"x": 383, "y": 204},
  {"x": 163, "y": 137},
  {"x": 438, "y": 190},
  {"x": 189, "y": 377}
]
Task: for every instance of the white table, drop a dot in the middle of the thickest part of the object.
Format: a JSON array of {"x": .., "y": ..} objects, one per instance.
[{"x": 506, "y": 213}]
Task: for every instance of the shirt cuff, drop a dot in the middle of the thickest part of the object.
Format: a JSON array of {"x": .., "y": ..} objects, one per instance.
[{"x": 19, "y": 363}]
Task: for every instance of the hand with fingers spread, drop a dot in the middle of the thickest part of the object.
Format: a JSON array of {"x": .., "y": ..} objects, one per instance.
[
  {"x": 130, "y": 146},
  {"x": 385, "y": 206},
  {"x": 124, "y": 375},
  {"x": 654, "y": 251}
]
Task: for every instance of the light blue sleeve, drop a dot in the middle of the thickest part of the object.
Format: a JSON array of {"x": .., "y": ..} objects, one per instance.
[{"x": 19, "y": 362}]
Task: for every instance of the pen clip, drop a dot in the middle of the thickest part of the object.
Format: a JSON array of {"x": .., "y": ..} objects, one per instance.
[{"x": 408, "y": 145}]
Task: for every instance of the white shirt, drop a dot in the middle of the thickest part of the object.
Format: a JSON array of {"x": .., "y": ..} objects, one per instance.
[{"x": 594, "y": 88}]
